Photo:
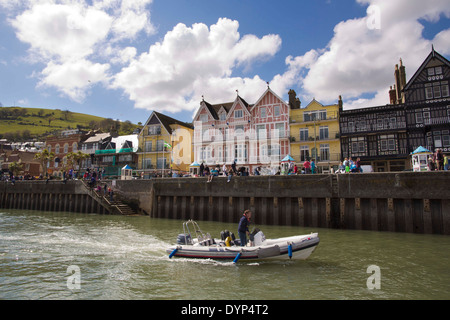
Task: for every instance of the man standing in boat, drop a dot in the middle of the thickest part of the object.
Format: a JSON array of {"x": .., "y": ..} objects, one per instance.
[{"x": 243, "y": 227}]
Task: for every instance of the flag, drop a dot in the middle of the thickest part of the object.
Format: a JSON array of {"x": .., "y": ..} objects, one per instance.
[{"x": 167, "y": 145}]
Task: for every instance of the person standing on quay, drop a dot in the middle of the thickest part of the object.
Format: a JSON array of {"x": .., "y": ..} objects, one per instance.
[{"x": 243, "y": 227}]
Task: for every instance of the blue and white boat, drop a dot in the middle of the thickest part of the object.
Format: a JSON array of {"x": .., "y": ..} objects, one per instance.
[{"x": 194, "y": 243}]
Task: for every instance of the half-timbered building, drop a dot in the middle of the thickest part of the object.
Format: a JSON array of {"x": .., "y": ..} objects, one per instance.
[
  {"x": 418, "y": 115},
  {"x": 428, "y": 105}
]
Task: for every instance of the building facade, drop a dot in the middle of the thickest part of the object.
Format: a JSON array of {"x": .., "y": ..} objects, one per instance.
[
  {"x": 61, "y": 146},
  {"x": 427, "y": 105},
  {"x": 252, "y": 135},
  {"x": 418, "y": 115},
  {"x": 165, "y": 145},
  {"x": 315, "y": 135}
]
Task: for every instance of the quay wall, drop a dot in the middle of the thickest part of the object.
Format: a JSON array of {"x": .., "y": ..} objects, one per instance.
[
  {"x": 396, "y": 202},
  {"x": 71, "y": 196}
]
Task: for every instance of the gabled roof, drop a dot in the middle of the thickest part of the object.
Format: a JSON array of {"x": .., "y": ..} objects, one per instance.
[
  {"x": 166, "y": 121},
  {"x": 235, "y": 103},
  {"x": 265, "y": 93},
  {"x": 433, "y": 55}
]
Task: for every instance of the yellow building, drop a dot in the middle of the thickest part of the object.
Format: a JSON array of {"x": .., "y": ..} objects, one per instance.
[
  {"x": 315, "y": 135},
  {"x": 165, "y": 145}
]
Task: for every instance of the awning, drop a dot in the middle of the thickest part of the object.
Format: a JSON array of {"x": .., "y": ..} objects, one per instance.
[{"x": 287, "y": 158}]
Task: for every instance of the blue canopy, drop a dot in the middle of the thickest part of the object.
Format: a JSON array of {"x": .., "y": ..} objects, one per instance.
[
  {"x": 421, "y": 150},
  {"x": 127, "y": 167},
  {"x": 287, "y": 158},
  {"x": 194, "y": 164}
]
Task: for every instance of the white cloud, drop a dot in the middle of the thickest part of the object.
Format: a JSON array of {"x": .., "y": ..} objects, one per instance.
[
  {"x": 360, "y": 58},
  {"x": 74, "y": 78},
  {"x": 195, "y": 61},
  {"x": 81, "y": 42},
  {"x": 76, "y": 40}
]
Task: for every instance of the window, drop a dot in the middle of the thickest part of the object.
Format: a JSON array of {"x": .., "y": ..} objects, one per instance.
[
  {"x": 222, "y": 116},
  {"x": 358, "y": 145},
  {"x": 444, "y": 87},
  {"x": 263, "y": 112},
  {"x": 240, "y": 152},
  {"x": 445, "y": 138},
  {"x": 108, "y": 159},
  {"x": 323, "y": 131},
  {"x": 315, "y": 115},
  {"x": 148, "y": 146},
  {"x": 419, "y": 117},
  {"x": 74, "y": 147},
  {"x": 279, "y": 130},
  {"x": 387, "y": 143},
  {"x": 238, "y": 114},
  {"x": 393, "y": 123},
  {"x": 304, "y": 134},
  {"x": 160, "y": 145},
  {"x": 154, "y": 130},
  {"x": 204, "y": 118},
  {"x": 66, "y": 148},
  {"x": 324, "y": 152},
  {"x": 437, "y": 91},
  {"x": 57, "y": 149},
  {"x": 276, "y": 111},
  {"x": 162, "y": 163},
  {"x": 147, "y": 164},
  {"x": 261, "y": 131},
  {"x": 426, "y": 117},
  {"x": 380, "y": 124},
  {"x": 304, "y": 153}
]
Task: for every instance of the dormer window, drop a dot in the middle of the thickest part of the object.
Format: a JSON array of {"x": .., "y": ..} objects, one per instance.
[
  {"x": 222, "y": 116},
  {"x": 238, "y": 114},
  {"x": 204, "y": 118}
]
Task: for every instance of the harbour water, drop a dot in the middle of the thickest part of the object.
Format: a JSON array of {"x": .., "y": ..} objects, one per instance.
[{"x": 68, "y": 256}]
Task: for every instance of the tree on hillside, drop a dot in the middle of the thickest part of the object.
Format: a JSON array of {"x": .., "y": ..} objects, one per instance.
[{"x": 66, "y": 114}]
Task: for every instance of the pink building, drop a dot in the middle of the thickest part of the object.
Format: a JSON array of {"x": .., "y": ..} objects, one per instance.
[{"x": 253, "y": 135}]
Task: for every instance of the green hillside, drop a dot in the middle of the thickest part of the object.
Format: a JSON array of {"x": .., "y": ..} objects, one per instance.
[{"x": 18, "y": 123}]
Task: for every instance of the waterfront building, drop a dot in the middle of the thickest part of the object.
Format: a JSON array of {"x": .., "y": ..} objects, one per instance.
[
  {"x": 252, "y": 135},
  {"x": 165, "y": 145},
  {"x": 96, "y": 140},
  {"x": 418, "y": 115},
  {"x": 116, "y": 153},
  {"x": 315, "y": 134},
  {"x": 427, "y": 105},
  {"x": 61, "y": 146}
]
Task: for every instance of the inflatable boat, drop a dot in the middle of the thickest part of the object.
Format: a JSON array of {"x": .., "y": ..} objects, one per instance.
[{"x": 194, "y": 243}]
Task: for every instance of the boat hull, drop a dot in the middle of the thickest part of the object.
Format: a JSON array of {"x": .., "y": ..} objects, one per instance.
[{"x": 295, "y": 248}]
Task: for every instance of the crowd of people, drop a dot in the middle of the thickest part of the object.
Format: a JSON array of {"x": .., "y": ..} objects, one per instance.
[{"x": 438, "y": 161}]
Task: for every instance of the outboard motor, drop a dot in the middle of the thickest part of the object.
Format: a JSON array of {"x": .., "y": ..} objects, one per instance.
[
  {"x": 184, "y": 238},
  {"x": 258, "y": 237}
]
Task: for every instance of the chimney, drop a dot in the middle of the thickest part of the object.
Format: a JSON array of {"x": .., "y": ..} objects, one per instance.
[
  {"x": 392, "y": 95},
  {"x": 402, "y": 80},
  {"x": 294, "y": 102}
]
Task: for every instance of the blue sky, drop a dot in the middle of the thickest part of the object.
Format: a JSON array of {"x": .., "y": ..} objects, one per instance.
[{"x": 122, "y": 59}]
